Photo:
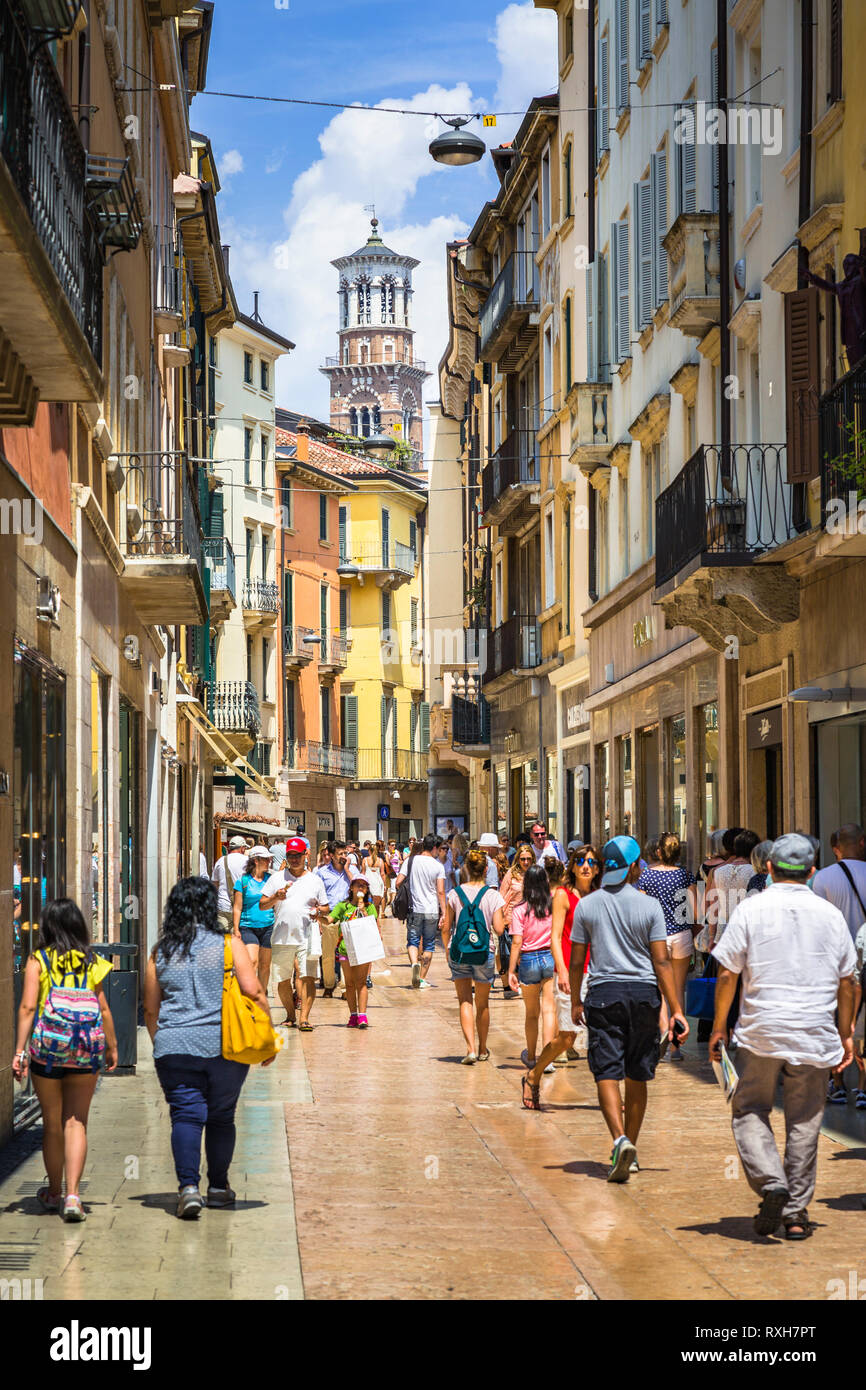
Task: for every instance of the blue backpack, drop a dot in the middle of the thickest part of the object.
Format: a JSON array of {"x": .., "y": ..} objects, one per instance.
[{"x": 470, "y": 942}]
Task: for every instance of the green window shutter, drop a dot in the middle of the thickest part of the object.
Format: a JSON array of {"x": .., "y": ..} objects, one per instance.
[
  {"x": 384, "y": 728},
  {"x": 568, "y": 356},
  {"x": 413, "y": 725},
  {"x": 394, "y": 724},
  {"x": 344, "y": 610},
  {"x": 413, "y": 539},
  {"x": 350, "y": 720},
  {"x": 323, "y": 608},
  {"x": 425, "y": 727},
  {"x": 342, "y": 533},
  {"x": 217, "y": 519},
  {"x": 288, "y": 598}
]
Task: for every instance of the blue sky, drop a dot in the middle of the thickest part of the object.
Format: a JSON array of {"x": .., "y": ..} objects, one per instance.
[{"x": 295, "y": 179}]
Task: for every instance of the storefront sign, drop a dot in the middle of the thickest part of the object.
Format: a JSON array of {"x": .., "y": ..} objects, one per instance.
[
  {"x": 236, "y": 805},
  {"x": 295, "y": 822},
  {"x": 574, "y": 712},
  {"x": 512, "y": 741},
  {"x": 764, "y": 728},
  {"x": 644, "y": 630},
  {"x": 325, "y": 820}
]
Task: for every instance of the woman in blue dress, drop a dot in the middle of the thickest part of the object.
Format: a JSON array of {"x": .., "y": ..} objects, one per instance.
[{"x": 253, "y": 925}]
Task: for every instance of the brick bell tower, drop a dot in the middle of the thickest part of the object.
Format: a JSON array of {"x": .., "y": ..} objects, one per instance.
[{"x": 376, "y": 380}]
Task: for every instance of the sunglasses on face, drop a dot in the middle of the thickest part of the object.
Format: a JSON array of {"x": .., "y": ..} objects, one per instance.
[{"x": 583, "y": 862}]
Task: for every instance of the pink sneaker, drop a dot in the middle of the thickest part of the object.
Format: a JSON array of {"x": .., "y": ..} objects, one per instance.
[
  {"x": 362, "y": 1021},
  {"x": 353, "y": 1021}
]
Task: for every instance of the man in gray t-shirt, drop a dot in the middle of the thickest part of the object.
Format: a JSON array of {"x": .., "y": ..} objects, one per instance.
[{"x": 625, "y": 934}]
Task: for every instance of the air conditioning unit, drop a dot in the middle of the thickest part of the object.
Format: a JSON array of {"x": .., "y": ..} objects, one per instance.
[{"x": 47, "y": 602}]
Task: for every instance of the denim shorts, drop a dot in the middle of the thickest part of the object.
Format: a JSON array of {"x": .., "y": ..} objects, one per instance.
[
  {"x": 257, "y": 936},
  {"x": 419, "y": 926},
  {"x": 481, "y": 974},
  {"x": 535, "y": 966}
]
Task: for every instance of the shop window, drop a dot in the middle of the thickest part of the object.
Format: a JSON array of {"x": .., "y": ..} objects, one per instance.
[
  {"x": 711, "y": 770},
  {"x": 677, "y": 775},
  {"x": 501, "y": 800},
  {"x": 650, "y": 800},
  {"x": 626, "y": 782},
  {"x": 603, "y": 775},
  {"x": 530, "y": 793}
]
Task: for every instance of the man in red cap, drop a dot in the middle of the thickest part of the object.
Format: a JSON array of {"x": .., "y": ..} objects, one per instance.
[{"x": 300, "y": 902}]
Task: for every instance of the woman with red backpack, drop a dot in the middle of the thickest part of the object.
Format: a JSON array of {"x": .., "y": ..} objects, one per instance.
[
  {"x": 473, "y": 921},
  {"x": 65, "y": 1018}
]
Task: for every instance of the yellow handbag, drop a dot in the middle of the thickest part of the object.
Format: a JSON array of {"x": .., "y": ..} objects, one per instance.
[{"x": 247, "y": 1032}]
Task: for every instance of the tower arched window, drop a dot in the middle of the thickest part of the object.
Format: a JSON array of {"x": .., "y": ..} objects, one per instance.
[
  {"x": 365, "y": 423},
  {"x": 387, "y": 301},
  {"x": 364, "y": 353},
  {"x": 353, "y": 422},
  {"x": 377, "y": 420},
  {"x": 364, "y": 301}
]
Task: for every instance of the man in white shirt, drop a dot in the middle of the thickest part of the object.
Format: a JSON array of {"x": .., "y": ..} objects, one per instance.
[
  {"x": 542, "y": 846},
  {"x": 490, "y": 842},
  {"x": 426, "y": 876},
  {"x": 226, "y": 870},
  {"x": 844, "y": 883},
  {"x": 300, "y": 903},
  {"x": 796, "y": 958}
]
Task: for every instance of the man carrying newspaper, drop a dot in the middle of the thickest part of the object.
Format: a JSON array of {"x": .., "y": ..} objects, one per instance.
[{"x": 797, "y": 962}]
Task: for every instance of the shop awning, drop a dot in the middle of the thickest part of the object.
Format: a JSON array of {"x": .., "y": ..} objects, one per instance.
[{"x": 224, "y": 748}]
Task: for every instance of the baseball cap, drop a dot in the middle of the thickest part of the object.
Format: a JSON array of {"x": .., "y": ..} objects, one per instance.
[
  {"x": 237, "y": 842},
  {"x": 575, "y": 844},
  {"x": 488, "y": 840},
  {"x": 260, "y": 852},
  {"x": 294, "y": 845},
  {"x": 793, "y": 853},
  {"x": 618, "y": 856}
]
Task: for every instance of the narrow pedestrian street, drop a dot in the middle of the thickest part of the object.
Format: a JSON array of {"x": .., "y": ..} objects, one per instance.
[{"x": 372, "y": 1165}]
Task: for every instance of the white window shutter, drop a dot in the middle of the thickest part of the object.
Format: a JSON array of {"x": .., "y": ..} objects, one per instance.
[
  {"x": 644, "y": 31},
  {"x": 622, "y": 63},
  {"x": 644, "y": 253},
  {"x": 602, "y": 336},
  {"x": 660, "y": 221},
  {"x": 591, "y": 327},
  {"x": 661, "y": 13},
  {"x": 603, "y": 115},
  {"x": 714, "y": 203},
  {"x": 687, "y": 200},
  {"x": 621, "y": 319}
]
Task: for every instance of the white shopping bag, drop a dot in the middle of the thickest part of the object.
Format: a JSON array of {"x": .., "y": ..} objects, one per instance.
[
  {"x": 363, "y": 942},
  {"x": 314, "y": 938}
]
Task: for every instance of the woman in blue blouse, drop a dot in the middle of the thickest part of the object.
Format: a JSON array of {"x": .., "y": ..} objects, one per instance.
[{"x": 253, "y": 925}]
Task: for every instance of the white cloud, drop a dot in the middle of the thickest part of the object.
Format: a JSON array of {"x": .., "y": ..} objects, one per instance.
[
  {"x": 232, "y": 162},
  {"x": 526, "y": 47}
]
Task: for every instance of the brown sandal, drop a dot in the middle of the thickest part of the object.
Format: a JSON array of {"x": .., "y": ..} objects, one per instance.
[{"x": 534, "y": 1093}]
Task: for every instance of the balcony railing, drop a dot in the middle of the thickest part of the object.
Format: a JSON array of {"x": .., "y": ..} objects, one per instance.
[
  {"x": 41, "y": 147},
  {"x": 724, "y": 508},
  {"x": 334, "y": 650},
  {"x": 296, "y": 644},
  {"x": 330, "y": 759},
  {"x": 515, "y": 646},
  {"x": 515, "y": 463},
  {"x": 470, "y": 721},
  {"x": 221, "y": 563},
  {"x": 233, "y": 706},
  {"x": 169, "y": 292},
  {"x": 160, "y": 487},
  {"x": 261, "y": 597},
  {"x": 400, "y": 360},
  {"x": 393, "y": 556},
  {"x": 842, "y": 444},
  {"x": 391, "y": 765},
  {"x": 514, "y": 295}
]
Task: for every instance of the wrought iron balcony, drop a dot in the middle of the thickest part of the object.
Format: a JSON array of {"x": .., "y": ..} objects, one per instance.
[
  {"x": 168, "y": 305},
  {"x": 842, "y": 451},
  {"x": 391, "y": 765},
  {"x": 326, "y": 759},
  {"x": 334, "y": 651},
  {"x": 510, "y": 477},
  {"x": 223, "y": 577},
  {"x": 112, "y": 202},
  {"x": 233, "y": 706},
  {"x": 470, "y": 723},
  {"x": 260, "y": 596},
  {"x": 514, "y": 646},
  {"x": 391, "y": 564},
  {"x": 723, "y": 509},
  {"x": 692, "y": 245},
  {"x": 400, "y": 360},
  {"x": 506, "y": 325},
  {"x": 50, "y": 294},
  {"x": 297, "y": 650},
  {"x": 163, "y": 546}
]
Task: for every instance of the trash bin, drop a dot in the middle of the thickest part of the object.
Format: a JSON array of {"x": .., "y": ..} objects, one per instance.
[{"x": 121, "y": 991}]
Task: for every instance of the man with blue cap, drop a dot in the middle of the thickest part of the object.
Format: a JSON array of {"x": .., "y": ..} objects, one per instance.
[
  {"x": 629, "y": 970},
  {"x": 794, "y": 954}
]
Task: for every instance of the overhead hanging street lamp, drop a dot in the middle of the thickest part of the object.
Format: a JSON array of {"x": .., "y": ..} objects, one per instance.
[
  {"x": 457, "y": 146},
  {"x": 380, "y": 445},
  {"x": 838, "y": 695}
]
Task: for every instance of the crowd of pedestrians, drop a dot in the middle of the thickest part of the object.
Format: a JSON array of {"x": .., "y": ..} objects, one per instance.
[{"x": 597, "y": 944}]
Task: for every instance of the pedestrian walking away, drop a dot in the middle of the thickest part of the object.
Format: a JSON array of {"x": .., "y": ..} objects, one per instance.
[
  {"x": 511, "y": 889},
  {"x": 473, "y": 920},
  {"x": 793, "y": 952},
  {"x": 629, "y": 972},
  {"x": 298, "y": 898},
  {"x": 358, "y": 905},
  {"x": 531, "y": 965},
  {"x": 65, "y": 1034},
  {"x": 581, "y": 878},
  {"x": 425, "y": 875},
  {"x": 675, "y": 889},
  {"x": 375, "y": 870},
  {"x": 227, "y": 869},
  {"x": 249, "y": 920},
  {"x": 183, "y": 994}
]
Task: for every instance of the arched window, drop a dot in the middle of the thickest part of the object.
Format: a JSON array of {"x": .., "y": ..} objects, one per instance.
[
  {"x": 364, "y": 353},
  {"x": 365, "y": 423},
  {"x": 377, "y": 419},
  {"x": 353, "y": 421}
]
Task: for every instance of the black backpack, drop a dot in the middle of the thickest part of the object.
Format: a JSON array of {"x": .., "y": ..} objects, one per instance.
[{"x": 402, "y": 904}]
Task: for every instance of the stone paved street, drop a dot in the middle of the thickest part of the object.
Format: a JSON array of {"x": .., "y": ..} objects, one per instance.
[{"x": 373, "y": 1165}]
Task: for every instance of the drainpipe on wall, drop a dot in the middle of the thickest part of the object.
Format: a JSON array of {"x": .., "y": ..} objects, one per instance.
[{"x": 806, "y": 82}]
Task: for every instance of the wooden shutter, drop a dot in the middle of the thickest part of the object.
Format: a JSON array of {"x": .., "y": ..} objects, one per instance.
[
  {"x": 342, "y": 517},
  {"x": 344, "y": 610},
  {"x": 687, "y": 200},
  {"x": 386, "y": 612},
  {"x": 621, "y": 323},
  {"x": 384, "y": 728},
  {"x": 288, "y": 597},
  {"x": 602, "y": 338},
  {"x": 566, "y": 328},
  {"x": 661, "y": 13},
  {"x": 659, "y": 177},
  {"x": 591, "y": 326},
  {"x": 350, "y": 721},
  {"x": 835, "y": 92},
  {"x": 644, "y": 254},
  {"x": 603, "y": 88},
  {"x": 413, "y": 539},
  {"x": 323, "y": 609},
  {"x": 714, "y": 149},
  {"x": 802, "y": 384},
  {"x": 386, "y": 538},
  {"x": 393, "y": 703},
  {"x": 217, "y": 522},
  {"x": 413, "y": 726},
  {"x": 425, "y": 727},
  {"x": 644, "y": 31},
  {"x": 622, "y": 64}
]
